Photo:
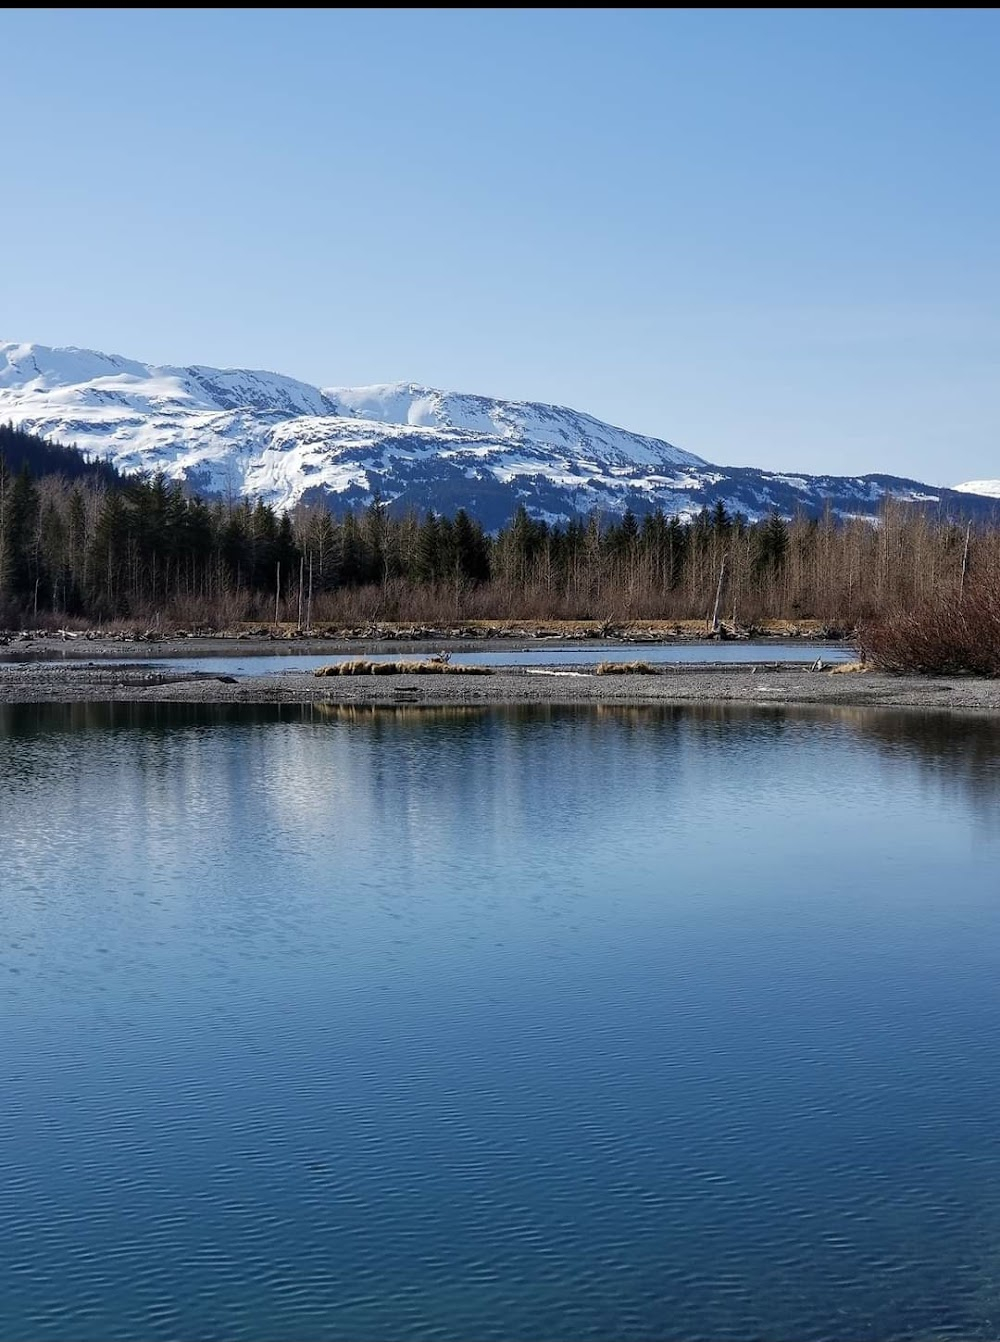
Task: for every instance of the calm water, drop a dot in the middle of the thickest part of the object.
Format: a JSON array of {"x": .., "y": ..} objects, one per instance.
[
  {"x": 659, "y": 653},
  {"x": 531, "y": 1025}
]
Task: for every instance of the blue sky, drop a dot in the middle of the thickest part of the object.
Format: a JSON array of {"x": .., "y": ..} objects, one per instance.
[{"x": 770, "y": 237}]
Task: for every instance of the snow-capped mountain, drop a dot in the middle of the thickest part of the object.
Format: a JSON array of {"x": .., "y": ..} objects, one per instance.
[
  {"x": 989, "y": 489},
  {"x": 237, "y": 432}
]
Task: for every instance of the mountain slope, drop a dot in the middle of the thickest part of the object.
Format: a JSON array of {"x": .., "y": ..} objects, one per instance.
[
  {"x": 985, "y": 488},
  {"x": 239, "y": 432}
]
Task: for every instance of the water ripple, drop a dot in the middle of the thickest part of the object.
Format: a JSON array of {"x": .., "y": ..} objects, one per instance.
[{"x": 522, "y": 1026}]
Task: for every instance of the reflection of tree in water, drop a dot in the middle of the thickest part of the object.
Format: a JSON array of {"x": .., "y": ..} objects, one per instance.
[
  {"x": 394, "y": 715},
  {"x": 953, "y": 749},
  {"x": 19, "y": 721},
  {"x": 956, "y": 750},
  {"x": 38, "y": 740}
]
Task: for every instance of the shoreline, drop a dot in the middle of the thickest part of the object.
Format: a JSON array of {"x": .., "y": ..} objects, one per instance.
[
  {"x": 80, "y": 677},
  {"x": 94, "y": 644}
]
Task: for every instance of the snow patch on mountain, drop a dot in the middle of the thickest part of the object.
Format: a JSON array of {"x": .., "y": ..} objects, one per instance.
[
  {"x": 65, "y": 377},
  {"x": 235, "y": 433},
  {"x": 988, "y": 488},
  {"x": 548, "y": 426}
]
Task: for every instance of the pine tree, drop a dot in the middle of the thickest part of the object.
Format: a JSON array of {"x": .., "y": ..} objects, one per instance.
[
  {"x": 23, "y": 538},
  {"x": 351, "y": 565},
  {"x": 235, "y": 547},
  {"x": 5, "y": 555},
  {"x": 471, "y": 559},
  {"x": 429, "y": 550},
  {"x": 76, "y": 543},
  {"x": 108, "y": 561},
  {"x": 771, "y": 545},
  {"x": 55, "y": 556},
  {"x": 721, "y": 522}
]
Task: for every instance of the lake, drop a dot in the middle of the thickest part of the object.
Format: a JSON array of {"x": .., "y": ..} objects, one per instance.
[{"x": 535, "y": 1024}]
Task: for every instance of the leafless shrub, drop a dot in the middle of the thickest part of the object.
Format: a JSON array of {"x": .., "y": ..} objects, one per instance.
[{"x": 941, "y": 636}]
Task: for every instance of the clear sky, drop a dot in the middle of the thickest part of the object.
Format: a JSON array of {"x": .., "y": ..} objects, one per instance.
[{"x": 769, "y": 237}]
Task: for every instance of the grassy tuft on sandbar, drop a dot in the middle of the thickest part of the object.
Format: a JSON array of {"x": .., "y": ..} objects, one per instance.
[
  {"x": 625, "y": 669},
  {"x": 363, "y": 667}
]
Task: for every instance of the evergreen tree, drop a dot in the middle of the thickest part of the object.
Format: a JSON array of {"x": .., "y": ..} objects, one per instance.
[
  {"x": 429, "y": 550},
  {"x": 286, "y": 551},
  {"x": 55, "y": 557},
  {"x": 262, "y": 536},
  {"x": 351, "y": 565},
  {"x": 76, "y": 543},
  {"x": 771, "y": 539},
  {"x": 5, "y": 546},
  {"x": 471, "y": 557},
  {"x": 108, "y": 560},
  {"x": 23, "y": 538},
  {"x": 678, "y": 536},
  {"x": 235, "y": 548}
]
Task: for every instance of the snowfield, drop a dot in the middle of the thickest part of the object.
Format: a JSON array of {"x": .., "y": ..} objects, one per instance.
[
  {"x": 988, "y": 488},
  {"x": 235, "y": 433}
]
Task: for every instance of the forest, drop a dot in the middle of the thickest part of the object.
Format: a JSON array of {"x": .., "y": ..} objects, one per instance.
[{"x": 80, "y": 545}]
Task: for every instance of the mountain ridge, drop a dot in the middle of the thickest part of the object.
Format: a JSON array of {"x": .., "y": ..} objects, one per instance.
[
  {"x": 242, "y": 432},
  {"x": 989, "y": 489}
]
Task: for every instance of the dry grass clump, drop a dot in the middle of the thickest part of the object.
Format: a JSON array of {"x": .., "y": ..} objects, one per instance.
[
  {"x": 362, "y": 667},
  {"x": 941, "y": 637},
  {"x": 850, "y": 668},
  {"x": 625, "y": 669}
]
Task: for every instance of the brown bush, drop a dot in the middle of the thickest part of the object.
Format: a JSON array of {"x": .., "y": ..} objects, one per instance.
[
  {"x": 942, "y": 636},
  {"x": 625, "y": 669},
  {"x": 362, "y": 667}
]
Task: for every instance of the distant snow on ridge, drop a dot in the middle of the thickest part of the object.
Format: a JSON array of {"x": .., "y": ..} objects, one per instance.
[
  {"x": 551, "y": 426},
  {"x": 988, "y": 488},
  {"x": 237, "y": 433},
  {"x": 88, "y": 378}
]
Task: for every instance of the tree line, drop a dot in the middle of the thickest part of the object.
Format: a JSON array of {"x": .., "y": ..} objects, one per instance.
[
  {"x": 98, "y": 549},
  {"x": 42, "y": 457}
]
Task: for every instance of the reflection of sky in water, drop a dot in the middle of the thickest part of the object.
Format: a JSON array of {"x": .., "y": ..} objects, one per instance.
[{"x": 541, "y": 1022}]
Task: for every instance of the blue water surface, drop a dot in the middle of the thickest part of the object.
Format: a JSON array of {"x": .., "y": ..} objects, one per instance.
[
  {"x": 659, "y": 653},
  {"x": 340, "y": 1023}
]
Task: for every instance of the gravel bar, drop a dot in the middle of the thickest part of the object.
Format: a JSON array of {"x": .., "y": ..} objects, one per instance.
[{"x": 80, "y": 677}]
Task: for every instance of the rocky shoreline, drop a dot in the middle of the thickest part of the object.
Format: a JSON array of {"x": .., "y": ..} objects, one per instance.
[{"x": 53, "y": 671}]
